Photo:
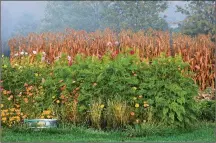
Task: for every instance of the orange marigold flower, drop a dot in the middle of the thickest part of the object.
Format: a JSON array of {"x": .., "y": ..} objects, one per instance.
[
  {"x": 46, "y": 112},
  {"x": 4, "y": 119},
  {"x": 146, "y": 105},
  {"x": 132, "y": 113}
]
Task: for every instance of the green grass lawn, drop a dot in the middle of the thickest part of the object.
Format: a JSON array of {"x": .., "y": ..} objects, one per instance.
[{"x": 205, "y": 133}]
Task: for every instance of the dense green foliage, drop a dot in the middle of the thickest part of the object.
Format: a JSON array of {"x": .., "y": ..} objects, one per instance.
[
  {"x": 207, "y": 110},
  {"x": 104, "y": 92}
]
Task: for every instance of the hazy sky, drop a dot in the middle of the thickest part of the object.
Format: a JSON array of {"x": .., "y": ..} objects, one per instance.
[{"x": 17, "y": 8}]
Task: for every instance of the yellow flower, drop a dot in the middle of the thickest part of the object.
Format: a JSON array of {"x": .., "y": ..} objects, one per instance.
[
  {"x": 2, "y": 105},
  {"x": 102, "y": 106},
  {"x": 12, "y": 109},
  {"x": 53, "y": 97},
  {"x": 58, "y": 101},
  {"x": 42, "y": 117},
  {"x": 4, "y": 119},
  {"x": 17, "y": 118},
  {"x": 36, "y": 74},
  {"x": 2, "y": 114},
  {"x": 136, "y": 105}
]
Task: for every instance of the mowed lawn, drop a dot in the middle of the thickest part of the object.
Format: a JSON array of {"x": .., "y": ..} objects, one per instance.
[{"x": 75, "y": 134}]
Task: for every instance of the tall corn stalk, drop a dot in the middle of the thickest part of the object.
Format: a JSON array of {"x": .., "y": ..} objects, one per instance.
[{"x": 198, "y": 51}]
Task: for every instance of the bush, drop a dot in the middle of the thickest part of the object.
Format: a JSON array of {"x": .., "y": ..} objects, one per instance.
[
  {"x": 169, "y": 90},
  {"x": 207, "y": 110},
  {"x": 131, "y": 91}
]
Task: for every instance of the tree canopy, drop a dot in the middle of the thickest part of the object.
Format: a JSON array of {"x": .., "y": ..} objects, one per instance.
[
  {"x": 200, "y": 17},
  {"x": 94, "y": 15}
]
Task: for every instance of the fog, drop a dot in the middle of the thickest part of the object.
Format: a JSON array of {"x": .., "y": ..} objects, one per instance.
[{"x": 22, "y": 17}]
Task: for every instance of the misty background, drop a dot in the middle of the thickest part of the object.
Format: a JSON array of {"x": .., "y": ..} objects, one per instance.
[{"x": 23, "y": 17}]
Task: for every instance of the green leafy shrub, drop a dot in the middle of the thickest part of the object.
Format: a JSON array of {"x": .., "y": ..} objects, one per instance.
[
  {"x": 207, "y": 110},
  {"x": 160, "y": 92},
  {"x": 169, "y": 89}
]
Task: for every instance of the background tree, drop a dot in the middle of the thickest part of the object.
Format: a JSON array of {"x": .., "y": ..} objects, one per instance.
[
  {"x": 200, "y": 17},
  {"x": 74, "y": 14},
  {"x": 135, "y": 15},
  {"x": 93, "y": 15}
]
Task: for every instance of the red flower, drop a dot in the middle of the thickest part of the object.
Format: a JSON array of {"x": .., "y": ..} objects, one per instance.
[
  {"x": 114, "y": 53},
  {"x": 117, "y": 52},
  {"x": 132, "y": 52}
]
